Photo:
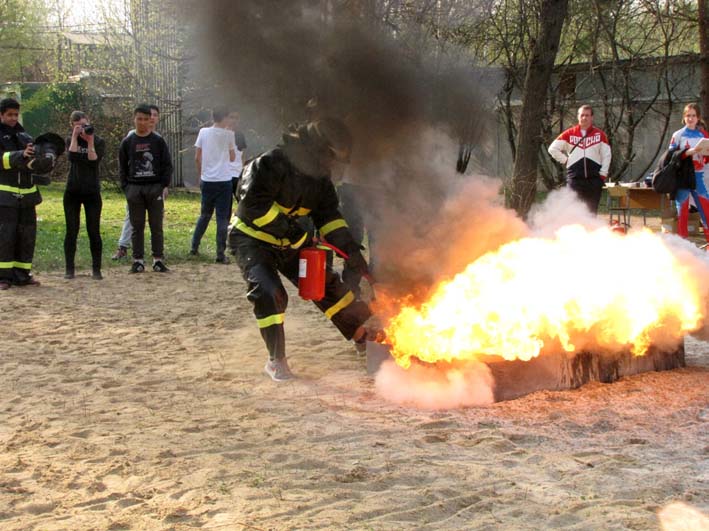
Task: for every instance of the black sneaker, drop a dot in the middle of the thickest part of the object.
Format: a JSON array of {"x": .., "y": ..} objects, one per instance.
[
  {"x": 137, "y": 267},
  {"x": 69, "y": 274},
  {"x": 194, "y": 252},
  {"x": 222, "y": 260},
  {"x": 159, "y": 267},
  {"x": 96, "y": 274}
]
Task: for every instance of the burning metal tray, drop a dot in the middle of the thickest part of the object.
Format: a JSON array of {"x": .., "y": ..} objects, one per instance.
[{"x": 555, "y": 372}]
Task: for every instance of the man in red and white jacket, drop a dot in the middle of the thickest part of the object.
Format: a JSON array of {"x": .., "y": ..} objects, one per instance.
[{"x": 585, "y": 152}]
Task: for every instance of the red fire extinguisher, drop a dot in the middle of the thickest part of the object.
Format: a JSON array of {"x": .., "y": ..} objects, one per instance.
[
  {"x": 311, "y": 270},
  {"x": 311, "y": 273}
]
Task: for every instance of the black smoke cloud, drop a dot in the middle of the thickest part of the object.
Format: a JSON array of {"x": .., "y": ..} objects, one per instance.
[{"x": 408, "y": 110}]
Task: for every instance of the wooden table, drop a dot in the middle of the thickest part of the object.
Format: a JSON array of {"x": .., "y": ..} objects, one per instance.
[{"x": 633, "y": 197}]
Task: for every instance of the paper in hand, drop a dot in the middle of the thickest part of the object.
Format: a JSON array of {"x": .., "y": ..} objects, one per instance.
[{"x": 702, "y": 146}]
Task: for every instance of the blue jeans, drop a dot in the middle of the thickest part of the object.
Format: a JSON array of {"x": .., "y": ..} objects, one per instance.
[{"x": 215, "y": 196}]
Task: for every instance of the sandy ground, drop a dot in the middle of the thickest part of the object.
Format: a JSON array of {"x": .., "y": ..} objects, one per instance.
[{"x": 140, "y": 403}]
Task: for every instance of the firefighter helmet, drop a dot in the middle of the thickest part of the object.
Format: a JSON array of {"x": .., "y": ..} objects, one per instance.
[{"x": 333, "y": 135}]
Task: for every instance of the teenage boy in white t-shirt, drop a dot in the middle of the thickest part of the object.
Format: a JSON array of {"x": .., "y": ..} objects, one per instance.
[{"x": 215, "y": 151}]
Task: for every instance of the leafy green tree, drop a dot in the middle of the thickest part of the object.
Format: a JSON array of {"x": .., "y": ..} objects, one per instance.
[{"x": 21, "y": 48}]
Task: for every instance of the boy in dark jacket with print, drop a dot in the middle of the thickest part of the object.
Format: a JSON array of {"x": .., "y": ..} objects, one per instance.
[{"x": 145, "y": 171}]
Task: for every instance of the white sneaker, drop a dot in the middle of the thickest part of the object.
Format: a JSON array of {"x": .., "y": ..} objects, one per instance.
[{"x": 278, "y": 370}]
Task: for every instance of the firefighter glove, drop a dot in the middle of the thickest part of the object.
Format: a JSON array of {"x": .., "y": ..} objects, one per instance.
[
  {"x": 356, "y": 262},
  {"x": 298, "y": 237}
]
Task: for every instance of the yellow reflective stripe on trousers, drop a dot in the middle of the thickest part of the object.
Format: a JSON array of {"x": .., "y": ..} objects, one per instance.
[
  {"x": 333, "y": 225},
  {"x": 339, "y": 305},
  {"x": 18, "y": 265},
  {"x": 287, "y": 210},
  {"x": 6, "y": 161},
  {"x": 16, "y": 190},
  {"x": 268, "y": 217},
  {"x": 259, "y": 235},
  {"x": 271, "y": 320}
]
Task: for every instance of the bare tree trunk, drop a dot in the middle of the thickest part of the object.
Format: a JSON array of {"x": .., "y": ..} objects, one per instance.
[
  {"x": 536, "y": 83},
  {"x": 703, "y": 6}
]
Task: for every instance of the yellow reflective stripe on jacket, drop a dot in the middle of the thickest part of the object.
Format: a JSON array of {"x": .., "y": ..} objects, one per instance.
[
  {"x": 333, "y": 225},
  {"x": 287, "y": 210},
  {"x": 259, "y": 235},
  {"x": 6, "y": 161},
  {"x": 19, "y": 265},
  {"x": 271, "y": 320},
  {"x": 339, "y": 305},
  {"x": 277, "y": 208},
  {"x": 268, "y": 217},
  {"x": 300, "y": 242},
  {"x": 16, "y": 190}
]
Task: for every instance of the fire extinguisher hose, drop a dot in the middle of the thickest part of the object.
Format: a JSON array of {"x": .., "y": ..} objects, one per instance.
[{"x": 343, "y": 254}]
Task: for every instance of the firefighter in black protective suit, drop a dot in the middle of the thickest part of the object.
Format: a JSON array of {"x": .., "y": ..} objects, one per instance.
[
  {"x": 18, "y": 198},
  {"x": 278, "y": 187}
]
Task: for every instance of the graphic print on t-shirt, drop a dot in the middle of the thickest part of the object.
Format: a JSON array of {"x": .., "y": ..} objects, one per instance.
[{"x": 143, "y": 160}]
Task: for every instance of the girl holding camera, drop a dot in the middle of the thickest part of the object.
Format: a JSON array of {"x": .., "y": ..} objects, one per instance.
[{"x": 85, "y": 152}]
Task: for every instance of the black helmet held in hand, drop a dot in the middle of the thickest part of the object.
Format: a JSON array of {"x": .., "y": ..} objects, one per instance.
[{"x": 47, "y": 149}]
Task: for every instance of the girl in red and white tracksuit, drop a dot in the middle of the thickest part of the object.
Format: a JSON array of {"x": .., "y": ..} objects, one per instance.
[{"x": 687, "y": 138}]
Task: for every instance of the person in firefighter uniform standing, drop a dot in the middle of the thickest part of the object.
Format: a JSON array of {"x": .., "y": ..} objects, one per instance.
[
  {"x": 18, "y": 198},
  {"x": 278, "y": 187}
]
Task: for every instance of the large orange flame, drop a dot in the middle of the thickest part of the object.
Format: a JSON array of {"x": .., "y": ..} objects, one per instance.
[{"x": 581, "y": 289}]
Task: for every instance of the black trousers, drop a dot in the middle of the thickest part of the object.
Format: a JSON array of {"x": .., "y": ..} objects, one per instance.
[
  {"x": 588, "y": 190},
  {"x": 261, "y": 264},
  {"x": 18, "y": 233},
  {"x": 144, "y": 198},
  {"x": 72, "y": 214}
]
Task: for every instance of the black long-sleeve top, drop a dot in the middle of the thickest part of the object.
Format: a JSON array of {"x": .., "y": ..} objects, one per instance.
[
  {"x": 144, "y": 160},
  {"x": 83, "y": 175}
]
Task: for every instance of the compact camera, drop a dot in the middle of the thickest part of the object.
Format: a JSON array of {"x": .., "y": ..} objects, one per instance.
[{"x": 88, "y": 129}]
